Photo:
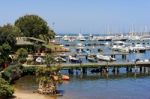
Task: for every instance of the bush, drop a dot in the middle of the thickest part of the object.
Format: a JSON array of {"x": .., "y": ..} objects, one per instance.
[
  {"x": 21, "y": 52},
  {"x": 29, "y": 70},
  {"x": 22, "y": 60},
  {"x": 5, "y": 89},
  {"x": 12, "y": 73}
]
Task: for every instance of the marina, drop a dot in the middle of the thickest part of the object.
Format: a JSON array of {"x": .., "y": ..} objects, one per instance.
[
  {"x": 75, "y": 49},
  {"x": 93, "y": 54},
  {"x": 113, "y": 48}
]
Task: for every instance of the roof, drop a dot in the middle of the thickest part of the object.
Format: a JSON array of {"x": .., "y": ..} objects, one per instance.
[
  {"x": 26, "y": 40},
  {"x": 36, "y": 39},
  {"x": 21, "y": 42}
]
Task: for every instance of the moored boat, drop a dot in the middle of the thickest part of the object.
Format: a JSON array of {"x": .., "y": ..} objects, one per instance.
[
  {"x": 65, "y": 77},
  {"x": 105, "y": 58}
]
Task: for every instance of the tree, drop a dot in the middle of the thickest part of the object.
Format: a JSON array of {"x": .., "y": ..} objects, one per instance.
[
  {"x": 49, "y": 60},
  {"x": 5, "y": 49},
  {"x": 48, "y": 78},
  {"x": 46, "y": 37},
  {"x": 8, "y": 35},
  {"x": 22, "y": 55},
  {"x": 33, "y": 26}
]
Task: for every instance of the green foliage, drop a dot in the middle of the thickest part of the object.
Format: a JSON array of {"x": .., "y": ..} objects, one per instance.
[
  {"x": 51, "y": 34},
  {"x": 22, "y": 60},
  {"x": 29, "y": 70},
  {"x": 48, "y": 74},
  {"x": 11, "y": 29},
  {"x": 1, "y": 60},
  {"x": 5, "y": 49},
  {"x": 46, "y": 37},
  {"x": 22, "y": 53},
  {"x": 12, "y": 72},
  {"x": 5, "y": 88},
  {"x": 8, "y": 35},
  {"x": 50, "y": 60},
  {"x": 33, "y": 26}
]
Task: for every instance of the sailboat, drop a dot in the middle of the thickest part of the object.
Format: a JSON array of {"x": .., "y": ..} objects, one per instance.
[{"x": 81, "y": 37}]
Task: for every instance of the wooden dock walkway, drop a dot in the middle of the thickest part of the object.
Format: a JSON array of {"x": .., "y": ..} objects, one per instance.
[
  {"x": 96, "y": 65},
  {"x": 108, "y": 64},
  {"x": 143, "y": 66}
]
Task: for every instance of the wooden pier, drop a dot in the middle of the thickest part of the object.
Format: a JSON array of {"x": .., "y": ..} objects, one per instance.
[{"x": 143, "y": 66}]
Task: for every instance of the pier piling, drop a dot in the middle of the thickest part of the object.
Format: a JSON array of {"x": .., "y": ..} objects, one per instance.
[
  {"x": 84, "y": 70},
  {"x": 70, "y": 71},
  {"x": 113, "y": 70},
  {"x": 130, "y": 69},
  {"x": 140, "y": 69},
  {"x": 127, "y": 69},
  {"x": 117, "y": 70},
  {"x": 124, "y": 57}
]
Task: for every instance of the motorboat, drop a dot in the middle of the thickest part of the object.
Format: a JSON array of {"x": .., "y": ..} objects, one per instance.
[
  {"x": 79, "y": 49},
  {"x": 74, "y": 59},
  {"x": 63, "y": 55},
  {"x": 120, "y": 46},
  {"x": 105, "y": 58},
  {"x": 137, "y": 48},
  {"x": 81, "y": 37},
  {"x": 92, "y": 38},
  {"x": 79, "y": 45},
  {"x": 66, "y": 38},
  {"x": 65, "y": 77},
  {"x": 91, "y": 58},
  {"x": 147, "y": 47},
  {"x": 106, "y": 43},
  {"x": 108, "y": 38},
  {"x": 60, "y": 59},
  {"x": 119, "y": 38}
]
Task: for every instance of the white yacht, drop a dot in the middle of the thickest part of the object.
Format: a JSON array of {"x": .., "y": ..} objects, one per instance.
[
  {"x": 81, "y": 37},
  {"x": 60, "y": 59},
  {"x": 66, "y": 38},
  {"x": 73, "y": 59},
  {"x": 106, "y": 43},
  {"x": 119, "y": 38},
  {"x": 120, "y": 46},
  {"x": 105, "y": 58},
  {"x": 92, "y": 38},
  {"x": 137, "y": 48}
]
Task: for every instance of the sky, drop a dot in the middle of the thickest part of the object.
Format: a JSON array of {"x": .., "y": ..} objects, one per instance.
[{"x": 85, "y": 16}]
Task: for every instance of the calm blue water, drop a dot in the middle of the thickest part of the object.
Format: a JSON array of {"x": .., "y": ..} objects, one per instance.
[
  {"x": 121, "y": 88},
  {"x": 96, "y": 86}
]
